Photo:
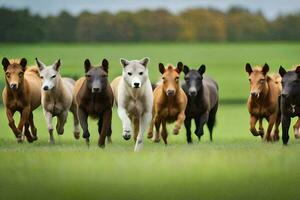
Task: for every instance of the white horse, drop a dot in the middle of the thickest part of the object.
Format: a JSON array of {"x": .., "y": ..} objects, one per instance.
[
  {"x": 57, "y": 98},
  {"x": 134, "y": 98}
]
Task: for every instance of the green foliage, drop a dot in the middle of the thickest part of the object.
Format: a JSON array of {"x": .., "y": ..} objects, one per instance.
[{"x": 200, "y": 24}]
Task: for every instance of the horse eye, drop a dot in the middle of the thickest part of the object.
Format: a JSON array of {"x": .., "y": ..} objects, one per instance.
[
  {"x": 129, "y": 73},
  {"x": 7, "y": 74},
  {"x": 41, "y": 77},
  {"x": 249, "y": 80},
  {"x": 21, "y": 74},
  {"x": 187, "y": 79},
  {"x": 87, "y": 75},
  {"x": 262, "y": 80},
  {"x": 176, "y": 79},
  {"x": 141, "y": 73},
  {"x": 53, "y": 76}
]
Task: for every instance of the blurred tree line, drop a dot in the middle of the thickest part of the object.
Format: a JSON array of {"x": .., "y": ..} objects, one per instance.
[{"x": 237, "y": 24}]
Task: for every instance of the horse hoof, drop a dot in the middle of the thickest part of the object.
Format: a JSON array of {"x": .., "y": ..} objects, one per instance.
[
  {"x": 126, "y": 137},
  {"x": 109, "y": 140},
  {"x": 85, "y": 135},
  {"x": 19, "y": 140},
  {"x": 175, "y": 131},
  {"x": 102, "y": 146},
  {"x": 76, "y": 135},
  {"x": 156, "y": 140},
  {"x": 150, "y": 135}
]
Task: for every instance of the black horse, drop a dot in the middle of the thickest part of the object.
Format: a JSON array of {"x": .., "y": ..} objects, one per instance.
[
  {"x": 290, "y": 101},
  {"x": 203, "y": 98}
]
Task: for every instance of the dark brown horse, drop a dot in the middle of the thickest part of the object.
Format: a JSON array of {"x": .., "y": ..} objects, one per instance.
[
  {"x": 203, "y": 99},
  {"x": 22, "y": 94},
  {"x": 263, "y": 101},
  {"x": 94, "y": 98}
]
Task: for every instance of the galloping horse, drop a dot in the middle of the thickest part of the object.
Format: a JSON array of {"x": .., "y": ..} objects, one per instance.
[
  {"x": 263, "y": 101},
  {"x": 169, "y": 102},
  {"x": 22, "y": 93}
]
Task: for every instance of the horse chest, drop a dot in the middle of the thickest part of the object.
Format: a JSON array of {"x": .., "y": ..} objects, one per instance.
[
  {"x": 135, "y": 107},
  {"x": 170, "y": 113},
  {"x": 55, "y": 108},
  {"x": 260, "y": 110}
]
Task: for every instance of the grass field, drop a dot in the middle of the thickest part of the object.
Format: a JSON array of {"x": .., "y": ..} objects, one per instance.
[{"x": 235, "y": 166}]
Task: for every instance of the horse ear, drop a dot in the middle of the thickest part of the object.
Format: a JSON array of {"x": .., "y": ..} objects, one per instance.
[
  {"x": 297, "y": 70},
  {"x": 5, "y": 63},
  {"x": 87, "y": 65},
  {"x": 23, "y": 63},
  {"x": 179, "y": 67},
  {"x": 265, "y": 68},
  {"x": 186, "y": 69},
  {"x": 161, "y": 68},
  {"x": 40, "y": 65},
  {"x": 124, "y": 62},
  {"x": 105, "y": 65},
  {"x": 145, "y": 61},
  {"x": 56, "y": 65},
  {"x": 248, "y": 68},
  {"x": 202, "y": 69},
  {"x": 282, "y": 71}
]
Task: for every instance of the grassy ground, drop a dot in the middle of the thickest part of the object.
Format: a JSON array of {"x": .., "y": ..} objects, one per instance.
[{"x": 235, "y": 166}]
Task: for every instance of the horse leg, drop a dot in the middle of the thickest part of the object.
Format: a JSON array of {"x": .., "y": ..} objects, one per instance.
[
  {"x": 32, "y": 127},
  {"x": 136, "y": 127},
  {"x": 125, "y": 122},
  {"x": 179, "y": 121},
  {"x": 48, "y": 117},
  {"x": 144, "y": 121},
  {"x": 106, "y": 124},
  {"x": 157, "y": 122},
  {"x": 187, "y": 124},
  {"x": 76, "y": 130},
  {"x": 296, "y": 129},
  {"x": 11, "y": 123},
  {"x": 261, "y": 128},
  {"x": 83, "y": 116},
  {"x": 211, "y": 121},
  {"x": 272, "y": 120},
  {"x": 276, "y": 129},
  {"x": 27, "y": 133},
  {"x": 164, "y": 132},
  {"x": 203, "y": 120},
  {"x": 286, "y": 121},
  {"x": 253, "y": 121},
  {"x": 61, "y": 120},
  {"x": 25, "y": 119},
  {"x": 150, "y": 130}
]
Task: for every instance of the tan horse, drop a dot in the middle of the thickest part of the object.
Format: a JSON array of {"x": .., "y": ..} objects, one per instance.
[
  {"x": 22, "y": 93},
  {"x": 263, "y": 101},
  {"x": 169, "y": 103}
]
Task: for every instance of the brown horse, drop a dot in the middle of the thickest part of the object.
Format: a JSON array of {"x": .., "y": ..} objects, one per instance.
[
  {"x": 263, "y": 101},
  {"x": 22, "y": 93},
  {"x": 169, "y": 102},
  {"x": 94, "y": 97}
]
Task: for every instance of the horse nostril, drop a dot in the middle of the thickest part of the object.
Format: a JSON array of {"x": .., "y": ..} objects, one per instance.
[
  {"x": 136, "y": 85},
  {"x": 96, "y": 89},
  {"x": 13, "y": 86},
  {"x": 46, "y": 88},
  {"x": 193, "y": 93},
  {"x": 170, "y": 92},
  {"x": 253, "y": 94}
]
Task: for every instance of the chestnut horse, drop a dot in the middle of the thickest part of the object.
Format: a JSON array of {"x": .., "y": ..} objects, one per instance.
[
  {"x": 94, "y": 97},
  {"x": 22, "y": 93},
  {"x": 263, "y": 101},
  {"x": 169, "y": 103}
]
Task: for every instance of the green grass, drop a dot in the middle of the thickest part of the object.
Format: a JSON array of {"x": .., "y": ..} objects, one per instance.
[{"x": 235, "y": 166}]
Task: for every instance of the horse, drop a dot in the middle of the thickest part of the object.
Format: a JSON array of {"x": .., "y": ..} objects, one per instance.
[
  {"x": 134, "y": 97},
  {"x": 57, "y": 98},
  {"x": 21, "y": 94},
  {"x": 94, "y": 98},
  {"x": 169, "y": 103},
  {"x": 203, "y": 99},
  {"x": 290, "y": 101},
  {"x": 263, "y": 101}
]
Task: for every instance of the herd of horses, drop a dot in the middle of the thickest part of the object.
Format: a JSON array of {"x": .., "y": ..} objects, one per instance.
[{"x": 141, "y": 104}]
